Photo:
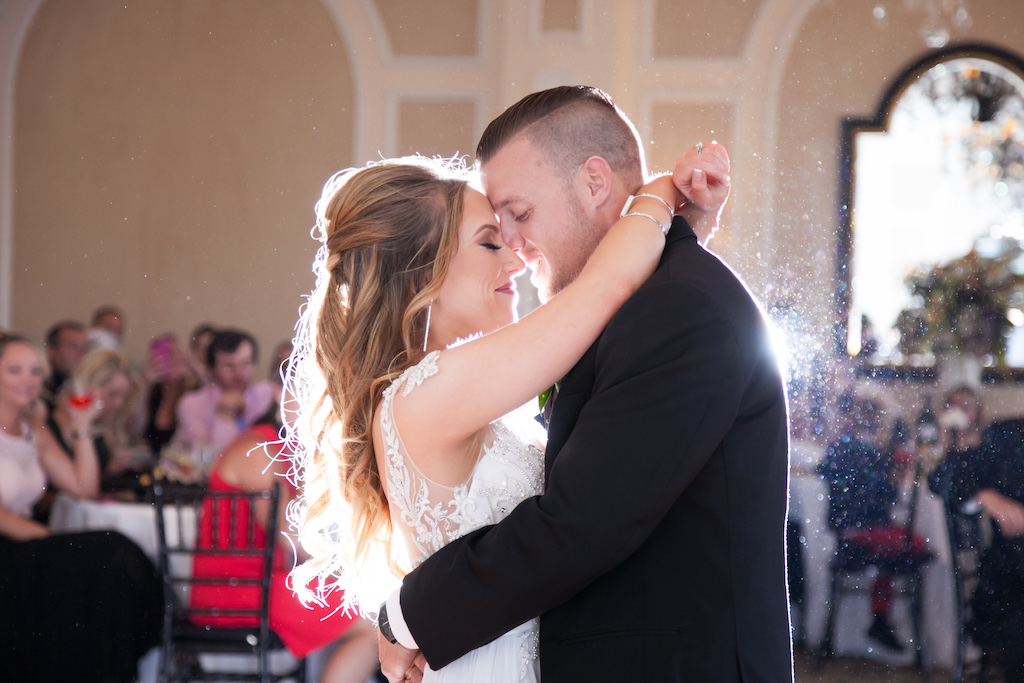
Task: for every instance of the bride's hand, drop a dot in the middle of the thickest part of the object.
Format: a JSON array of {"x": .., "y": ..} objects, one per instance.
[{"x": 702, "y": 176}]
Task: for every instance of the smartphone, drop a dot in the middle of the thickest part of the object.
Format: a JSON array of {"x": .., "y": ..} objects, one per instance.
[{"x": 161, "y": 350}]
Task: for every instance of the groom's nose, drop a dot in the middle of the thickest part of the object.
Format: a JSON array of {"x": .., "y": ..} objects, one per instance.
[{"x": 511, "y": 236}]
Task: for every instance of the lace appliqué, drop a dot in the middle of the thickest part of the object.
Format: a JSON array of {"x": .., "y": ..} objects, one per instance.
[
  {"x": 415, "y": 376},
  {"x": 432, "y": 524},
  {"x": 524, "y": 473},
  {"x": 529, "y": 648},
  {"x": 429, "y": 515}
]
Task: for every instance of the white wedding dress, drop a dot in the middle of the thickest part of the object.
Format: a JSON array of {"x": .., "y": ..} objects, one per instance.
[{"x": 428, "y": 515}]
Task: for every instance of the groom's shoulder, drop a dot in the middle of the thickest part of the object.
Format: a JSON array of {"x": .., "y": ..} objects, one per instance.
[{"x": 691, "y": 271}]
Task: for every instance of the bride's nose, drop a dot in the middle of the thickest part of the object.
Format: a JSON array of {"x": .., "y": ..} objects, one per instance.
[{"x": 514, "y": 265}]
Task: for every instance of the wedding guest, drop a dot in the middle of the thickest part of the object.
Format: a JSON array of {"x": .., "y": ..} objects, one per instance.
[
  {"x": 66, "y": 344},
  {"x": 107, "y": 380},
  {"x": 992, "y": 477},
  {"x": 215, "y": 414},
  {"x": 865, "y": 505},
  {"x": 278, "y": 361},
  {"x": 73, "y": 607},
  {"x": 961, "y": 419},
  {"x": 255, "y": 461},
  {"x": 198, "y": 344},
  {"x": 169, "y": 376},
  {"x": 106, "y": 331}
]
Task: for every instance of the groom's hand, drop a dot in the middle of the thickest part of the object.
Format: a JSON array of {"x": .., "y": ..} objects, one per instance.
[{"x": 400, "y": 664}]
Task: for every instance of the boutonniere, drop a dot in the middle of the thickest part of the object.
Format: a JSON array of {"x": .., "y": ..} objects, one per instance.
[{"x": 546, "y": 395}]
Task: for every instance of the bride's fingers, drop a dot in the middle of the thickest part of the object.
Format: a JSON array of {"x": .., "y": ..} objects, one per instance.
[{"x": 420, "y": 662}]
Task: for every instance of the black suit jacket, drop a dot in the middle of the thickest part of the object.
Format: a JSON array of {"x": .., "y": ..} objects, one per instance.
[{"x": 657, "y": 551}]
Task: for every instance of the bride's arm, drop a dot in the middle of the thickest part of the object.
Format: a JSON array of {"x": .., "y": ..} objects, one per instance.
[{"x": 482, "y": 380}]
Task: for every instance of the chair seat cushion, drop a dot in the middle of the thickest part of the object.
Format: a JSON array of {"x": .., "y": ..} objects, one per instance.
[{"x": 852, "y": 556}]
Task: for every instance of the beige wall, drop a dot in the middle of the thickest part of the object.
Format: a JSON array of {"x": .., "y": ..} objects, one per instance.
[{"x": 165, "y": 156}]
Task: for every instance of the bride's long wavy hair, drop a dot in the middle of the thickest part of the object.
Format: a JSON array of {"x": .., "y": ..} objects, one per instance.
[{"x": 388, "y": 232}]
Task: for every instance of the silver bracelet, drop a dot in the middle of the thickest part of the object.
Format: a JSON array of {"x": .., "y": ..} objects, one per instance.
[
  {"x": 664, "y": 230},
  {"x": 671, "y": 211}
]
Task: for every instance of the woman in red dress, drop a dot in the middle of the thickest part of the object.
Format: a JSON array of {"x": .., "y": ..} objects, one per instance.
[{"x": 254, "y": 462}]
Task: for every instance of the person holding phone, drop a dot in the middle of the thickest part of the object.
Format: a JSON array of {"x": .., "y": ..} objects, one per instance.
[{"x": 168, "y": 376}]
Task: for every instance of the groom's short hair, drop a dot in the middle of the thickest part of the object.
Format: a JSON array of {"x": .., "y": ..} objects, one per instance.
[{"x": 569, "y": 124}]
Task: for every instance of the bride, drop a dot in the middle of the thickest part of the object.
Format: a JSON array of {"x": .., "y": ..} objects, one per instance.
[{"x": 408, "y": 370}]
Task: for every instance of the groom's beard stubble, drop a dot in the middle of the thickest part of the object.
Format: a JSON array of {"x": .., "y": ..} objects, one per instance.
[{"x": 580, "y": 240}]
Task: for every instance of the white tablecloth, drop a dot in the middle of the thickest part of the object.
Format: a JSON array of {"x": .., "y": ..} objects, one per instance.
[
  {"x": 809, "y": 507},
  {"x": 134, "y": 520}
]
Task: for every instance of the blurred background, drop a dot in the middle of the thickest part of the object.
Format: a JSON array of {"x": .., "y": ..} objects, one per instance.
[{"x": 164, "y": 157}]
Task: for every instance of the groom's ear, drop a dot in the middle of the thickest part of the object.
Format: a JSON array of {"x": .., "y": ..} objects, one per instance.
[{"x": 595, "y": 179}]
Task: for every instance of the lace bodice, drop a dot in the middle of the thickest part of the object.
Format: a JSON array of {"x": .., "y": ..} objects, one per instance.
[{"x": 510, "y": 468}]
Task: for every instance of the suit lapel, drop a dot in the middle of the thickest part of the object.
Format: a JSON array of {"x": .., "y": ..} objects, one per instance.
[{"x": 565, "y": 408}]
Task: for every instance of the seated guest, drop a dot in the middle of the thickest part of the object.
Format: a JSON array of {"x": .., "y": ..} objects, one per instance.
[
  {"x": 254, "y": 462},
  {"x": 961, "y": 419},
  {"x": 107, "y": 380},
  {"x": 865, "y": 505},
  {"x": 73, "y": 607},
  {"x": 106, "y": 330},
  {"x": 169, "y": 376},
  {"x": 217, "y": 413},
  {"x": 278, "y": 361},
  {"x": 198, "y": 344},
  {"x": 992, "y": 475},
  {"x": 66, "y": 344}
]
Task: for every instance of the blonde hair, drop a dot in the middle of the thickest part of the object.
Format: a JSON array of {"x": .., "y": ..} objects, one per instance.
[
  {"x": 96, "y": 369},
  {"x": 36, "y": 412},
  {"x": 388, "y": 232}
]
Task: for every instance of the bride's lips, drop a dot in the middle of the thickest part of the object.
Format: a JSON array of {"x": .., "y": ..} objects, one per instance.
[{"x": 507, "y": 288}]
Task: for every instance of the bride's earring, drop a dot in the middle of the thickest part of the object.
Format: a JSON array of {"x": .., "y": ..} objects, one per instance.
[{"x": 426, "y": 329}]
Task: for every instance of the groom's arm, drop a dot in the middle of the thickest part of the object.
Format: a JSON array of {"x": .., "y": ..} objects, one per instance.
[{"x": 669, "y": 372}]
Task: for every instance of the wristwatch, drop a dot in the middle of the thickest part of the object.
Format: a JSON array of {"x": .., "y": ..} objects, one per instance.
[{"x": 384, "y": 625}]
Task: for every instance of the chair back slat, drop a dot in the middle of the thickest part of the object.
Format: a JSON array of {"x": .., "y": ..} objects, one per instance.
[
  {"x": 195, "y": 527},
  {"x": 908, "y": 537}
]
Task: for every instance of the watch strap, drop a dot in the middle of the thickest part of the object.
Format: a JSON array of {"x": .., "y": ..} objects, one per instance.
[{"x": 384, "y": 625}]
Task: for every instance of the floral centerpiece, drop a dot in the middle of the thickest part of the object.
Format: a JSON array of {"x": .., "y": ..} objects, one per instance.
[{"x": 965, "y": 306}]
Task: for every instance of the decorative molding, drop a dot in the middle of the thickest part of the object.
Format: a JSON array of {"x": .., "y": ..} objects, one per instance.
[
  {"x": 538, "y": 36},
  {"x": 15, "y": 18}
]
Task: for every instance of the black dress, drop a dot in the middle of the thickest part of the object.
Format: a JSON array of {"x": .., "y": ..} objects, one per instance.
[{"x": 76, "y": 607}]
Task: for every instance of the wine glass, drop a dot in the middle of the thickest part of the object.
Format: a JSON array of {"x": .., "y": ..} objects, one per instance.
[{"x": 78, "y": 397}]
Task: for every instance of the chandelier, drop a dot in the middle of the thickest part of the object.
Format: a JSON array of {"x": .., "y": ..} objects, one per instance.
[{"x": 941, "y": 17}]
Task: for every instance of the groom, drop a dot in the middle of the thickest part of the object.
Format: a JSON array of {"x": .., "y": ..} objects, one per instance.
[{"x": 657, "y": 551}]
